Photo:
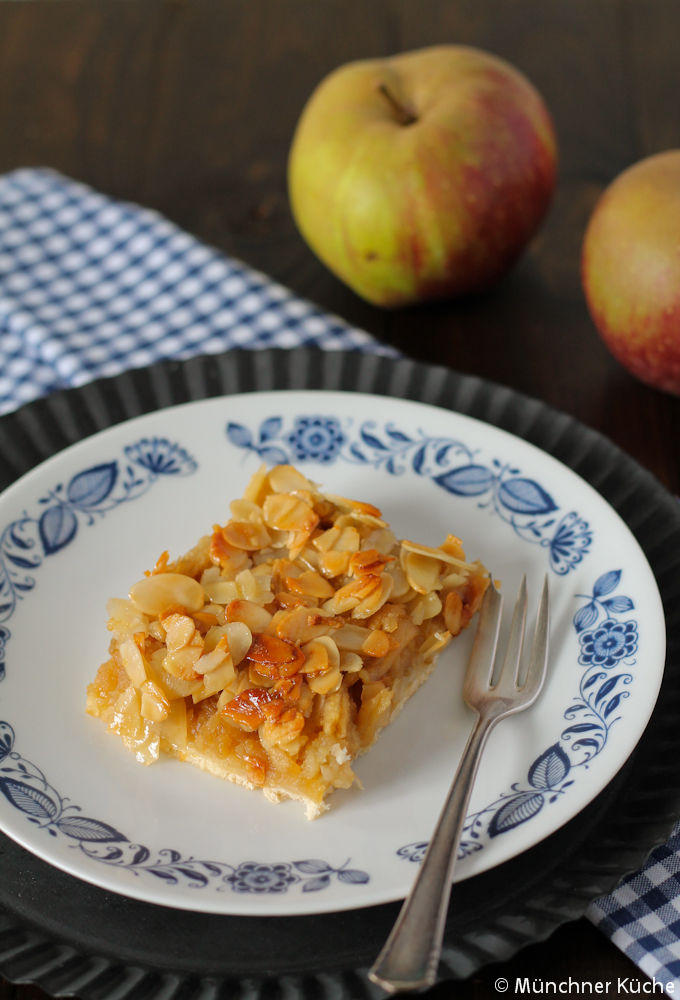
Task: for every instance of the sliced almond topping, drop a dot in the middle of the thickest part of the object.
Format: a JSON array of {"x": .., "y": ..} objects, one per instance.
[
  {"x": 333, "y": 563},
  {"x": 133, "y": 661},
  {"x": 310, "y": 584},
  {"x": 375, "y": 600},
  {"x": 246, "y": 710},
  {"x": 427, "y": 606},
  {"x": 155, "y": 593},
  {"x": 125, "y": 619},
  {"x": 349, "y": 540},
  {"x": 434, "y": 644},
  {"x": 352, "y": 594},
  {"x": 209, "y": 661},
  {"x": 157, "y": 631},
  {"x": 454, "y": 547},
  {"x": 326, "y": 683},
  {"x": 289, "y": 689},
  {"x": 239, "y": 638},
  {"x": 283, "y": 729},
  {"x": 287, "y": 479},
  {"x": 288, "y": 513},
  {"x": 453, "y": 613},
  {"x": 327, "y": 539},
  {"x": 205, "y": 619},
  {"x": 422, "y": 571},
  {"x": 154, "y": 706},
  {"x": 441, "y": 554},
  {"x": 297, "y": 540},
  {"x": 182, "y": 663},
  {"x": 378, "y": 644},
  {"x": 308, "y": 559},
  {"x": 246, "y": 535},
  {"x": 275, "y": 657},
  {"x": 257, "y": 488},
  {"x": 246, "y": 510},
  {"x": 253, "y": 615},
  {"x": 401, "y": 585},
  {"x": 290, "y": 601},
  {"x": 216, "y": 680},
  {"x": 179, "y": 630},
  {"x": 351, "y": 663},
  {"x": 316, "y": 657},
  {"x": 211, "y": 575},
  {"x": 161, "y": 565},
  {"x": 368, "y": 561},
  {"x": 432, "y": 605},
  {"x": 304, "y": 624},
  {"x": 331, "y": 649},
  {"x": 357, "y": 506},
  {"x": 225, "y": 555},
  {"x": 254, "y": 587},
  {"x": 382, "y": 539},
  {"x": 351, "y": 637}
]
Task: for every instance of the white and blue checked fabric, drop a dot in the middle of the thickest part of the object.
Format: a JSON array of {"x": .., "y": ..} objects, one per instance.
[
  {"x": 642, "y": 915},
  {"x": 90, "y": 287}
]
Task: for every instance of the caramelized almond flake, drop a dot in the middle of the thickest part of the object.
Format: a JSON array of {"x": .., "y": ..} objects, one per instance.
[
  {"x": 246, "y": 535},
  {"x": 442, "y": 554},
  {"x": 368, "y": 561},
  {"x": 453, "y": 612},
  {"x": 225, "y": 555},
  {"x": 247, "y": 708},
  {"x": 253, "y": 615},
  {"x": 275, "y": 657},
  {"x": 155, "y": 593},
  {"x": 332, "y": 564},
  {"x": 309, "y": 584}
]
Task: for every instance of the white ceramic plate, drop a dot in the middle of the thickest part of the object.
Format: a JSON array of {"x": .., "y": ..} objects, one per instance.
[{"x": 85, "y": 524}]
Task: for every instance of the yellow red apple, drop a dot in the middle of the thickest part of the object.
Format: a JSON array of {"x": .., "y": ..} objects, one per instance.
[
  {"x": 631, "y": 269},
  {"x": 423, "y": 175}
]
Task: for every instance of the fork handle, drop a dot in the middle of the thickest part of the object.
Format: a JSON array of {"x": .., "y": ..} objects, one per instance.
[{"x": 410, "y": 957}]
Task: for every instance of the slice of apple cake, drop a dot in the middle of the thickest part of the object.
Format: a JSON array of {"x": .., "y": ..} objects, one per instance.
[{"x": 274, "y": 652}]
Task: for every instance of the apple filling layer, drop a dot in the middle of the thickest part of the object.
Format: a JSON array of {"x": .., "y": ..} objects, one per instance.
[{"x": 275, "y": 651}]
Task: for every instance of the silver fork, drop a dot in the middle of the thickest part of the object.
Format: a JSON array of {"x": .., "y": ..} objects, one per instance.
[{"x": 411, "y": 953}]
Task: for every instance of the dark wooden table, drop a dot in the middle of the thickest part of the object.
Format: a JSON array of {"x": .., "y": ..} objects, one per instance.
[{"x": 189, "y": 106}]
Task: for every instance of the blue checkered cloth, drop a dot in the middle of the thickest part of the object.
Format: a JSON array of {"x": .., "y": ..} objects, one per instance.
[
  {"x": 90, "y": 287},
  {"x": 642, "y": 915}
]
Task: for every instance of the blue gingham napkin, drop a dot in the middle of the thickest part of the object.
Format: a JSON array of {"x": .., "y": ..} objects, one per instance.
[{"x": 90, "y": 287}]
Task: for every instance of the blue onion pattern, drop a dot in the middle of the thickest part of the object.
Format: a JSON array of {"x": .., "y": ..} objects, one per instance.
[
  {"x": 529, "y": 509},
  {"x": 610, "y": 642},
  {"x": 591, "y": 715},
  {"x": 312, "y": 874},
  {"x": 316, "y": 439},
  {"x": 259, "y": 878},
  {"x": 27, "y": 789},
  {"x": 161, "y": 457},
  {"x": 88, "y": 496}
]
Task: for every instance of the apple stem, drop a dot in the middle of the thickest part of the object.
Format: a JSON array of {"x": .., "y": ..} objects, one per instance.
[{"x": 403, "y": 115}]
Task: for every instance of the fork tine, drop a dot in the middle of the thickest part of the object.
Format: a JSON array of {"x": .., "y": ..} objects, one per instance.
[
  {"x": 509, "y": 675},
  {"x": 480, "y": 668},
  {"x": 539, "y": 651}
]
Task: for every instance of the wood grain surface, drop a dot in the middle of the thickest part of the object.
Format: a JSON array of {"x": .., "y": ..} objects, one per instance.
[{"x": 189, "y": 106}]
